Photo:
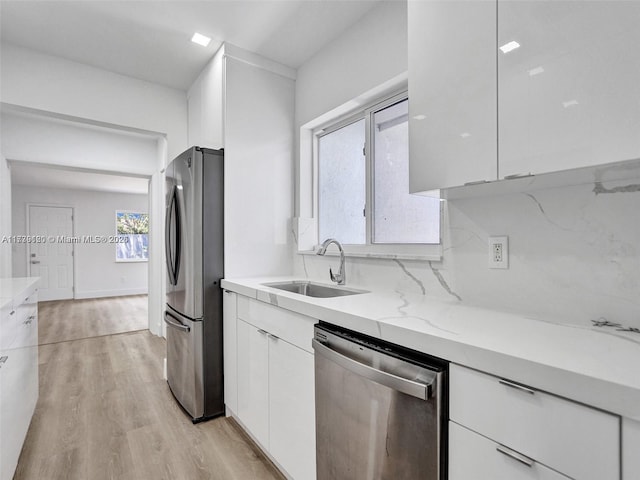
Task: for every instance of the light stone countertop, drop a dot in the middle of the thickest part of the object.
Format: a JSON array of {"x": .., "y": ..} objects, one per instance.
[
  {"x": 11, "y": 289},
  {"x": 592, "y": 365}
]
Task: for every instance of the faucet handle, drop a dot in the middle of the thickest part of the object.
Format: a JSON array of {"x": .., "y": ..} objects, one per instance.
[{"x": 332, "y": 275}]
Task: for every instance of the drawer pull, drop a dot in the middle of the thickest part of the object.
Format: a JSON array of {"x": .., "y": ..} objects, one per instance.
[
  {"x": 517, "y": 386},
  {"x": 3, "y": 360},
  {"x": 518, "y": 175},
  {"x": 476, "y": 182},
  {"x": 515, "y": 455},
  {"x": 272, "y": 336},
  {"x": 262, "y": 332},
  {"x": 12, "y": 312}
]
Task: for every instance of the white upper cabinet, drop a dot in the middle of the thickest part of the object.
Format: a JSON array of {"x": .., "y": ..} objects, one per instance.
[
  {"x": 452, "y": 93},
  {"x": 569, "y": 96}
]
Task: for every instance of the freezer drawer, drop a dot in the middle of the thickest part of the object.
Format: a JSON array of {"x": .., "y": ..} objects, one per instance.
[{"x": 184, "y": 362}]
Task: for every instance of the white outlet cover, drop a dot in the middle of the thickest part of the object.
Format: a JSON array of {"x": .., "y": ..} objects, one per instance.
[{"x": 501, "y": 243}]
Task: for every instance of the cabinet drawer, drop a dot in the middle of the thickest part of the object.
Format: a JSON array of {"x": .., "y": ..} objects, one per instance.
[
  {"x": 576, "y": 440},
  {"x": 474, "y": 456},
  {"x": 291, "y": 327}
]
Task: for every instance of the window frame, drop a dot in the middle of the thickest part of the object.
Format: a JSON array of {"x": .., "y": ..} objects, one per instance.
[
  {"x": 423, "y": 251},
  {"x": 129, "y": 260}
]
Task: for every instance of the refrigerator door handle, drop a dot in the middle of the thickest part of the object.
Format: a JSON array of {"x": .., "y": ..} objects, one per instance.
[
  {"x": 172, "y": 252},
  {"x": 177, "y": 324},
  {"x": 178, "y": 252},
  {"x": 167, "y": 238}
]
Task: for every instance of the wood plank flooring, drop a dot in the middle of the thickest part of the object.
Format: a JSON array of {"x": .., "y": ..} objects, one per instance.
[
  {"x": 105, "y": 412},
  {"x": 63, "y": 320}
]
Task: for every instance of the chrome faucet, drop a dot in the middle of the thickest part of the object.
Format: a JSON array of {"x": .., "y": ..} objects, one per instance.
[{"x": 339, "y": 278}]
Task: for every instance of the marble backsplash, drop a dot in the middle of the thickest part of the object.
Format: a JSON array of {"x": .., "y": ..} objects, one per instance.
[{"x": 574, "y": 256}]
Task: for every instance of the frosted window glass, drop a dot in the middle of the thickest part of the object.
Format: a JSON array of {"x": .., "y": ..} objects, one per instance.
[
  {"x": 399, "y": 217},
  {"x": 342, "y": 193}
]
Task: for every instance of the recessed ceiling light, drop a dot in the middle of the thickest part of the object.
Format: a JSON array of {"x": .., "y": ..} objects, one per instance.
[
  {"x": 569, "y": 103},
  {"x": 200, "y": 39},
  {"x": 465, "y": 135},
  {"x": 420, "y": 117},
  {"x": 508, "y": 47}
]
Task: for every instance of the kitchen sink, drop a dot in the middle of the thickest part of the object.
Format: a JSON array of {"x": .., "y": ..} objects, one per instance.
[{"x": 311, "y": 289}]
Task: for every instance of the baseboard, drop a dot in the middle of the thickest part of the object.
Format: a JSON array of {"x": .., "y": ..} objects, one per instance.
[{"x": 111, "y": 293}]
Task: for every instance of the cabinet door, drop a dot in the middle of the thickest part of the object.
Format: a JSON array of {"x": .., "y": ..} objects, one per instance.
[
  {"x": 229, "y": 309},
  {"x": 474, "y": 456},
  {"x": 452, "y": 93},
  {"x": 30, "y": 356},
  {"x": 630, "y": 449},
  {"x": 253, "y": 381},
  {"x": 569, "y": 95},
  {"x": 13, "y": 424},
  {"x": 292, "y": 409}
]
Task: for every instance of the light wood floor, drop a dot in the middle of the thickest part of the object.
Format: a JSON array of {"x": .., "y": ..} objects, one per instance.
[
  {"x": 105, "y": 412},
  {"x": 63, "y": 320}
]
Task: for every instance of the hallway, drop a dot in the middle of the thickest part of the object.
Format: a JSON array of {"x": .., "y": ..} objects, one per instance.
[
  {"x": 64, "y": 320},
  {"x": 105, "y": 412}
]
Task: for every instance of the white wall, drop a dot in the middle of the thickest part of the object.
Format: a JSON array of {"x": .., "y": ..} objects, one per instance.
[
  {"x": 51, "y": 84},
  {"x": 55, "y": 87},
  {"x": 369, "y": 53},
  {"x": 5, "y": 217},
  {"x": 33, "y": 138},
  {"x": 97, "y": 274},
  {"x": 574, "y": 250}
]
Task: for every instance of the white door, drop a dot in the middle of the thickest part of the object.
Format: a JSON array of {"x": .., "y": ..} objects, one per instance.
[{"x": 51, "y": 259}]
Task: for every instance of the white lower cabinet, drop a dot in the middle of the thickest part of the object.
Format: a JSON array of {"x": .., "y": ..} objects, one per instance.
[
  {"x": 275, "y": 384},
  {"x": 548, "y": 431},
  {"x": 18, "y": 376}
]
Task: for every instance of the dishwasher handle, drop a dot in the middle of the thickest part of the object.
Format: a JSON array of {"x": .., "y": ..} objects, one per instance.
[{"x": 410, "y": 387}]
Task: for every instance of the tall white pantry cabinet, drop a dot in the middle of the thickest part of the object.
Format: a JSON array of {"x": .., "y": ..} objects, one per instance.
[{"x": 244, "y": 103}]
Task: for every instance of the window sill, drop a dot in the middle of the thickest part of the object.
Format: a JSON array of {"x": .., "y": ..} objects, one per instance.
[
  {"x": 133, "y": 260},
  {"x": 408, "y": 252}
]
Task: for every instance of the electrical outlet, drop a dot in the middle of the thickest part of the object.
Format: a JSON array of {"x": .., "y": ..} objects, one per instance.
[{"x": 499, "y": 252}]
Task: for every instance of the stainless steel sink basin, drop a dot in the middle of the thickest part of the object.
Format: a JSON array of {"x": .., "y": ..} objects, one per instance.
[{"x": 311, "y": 289}]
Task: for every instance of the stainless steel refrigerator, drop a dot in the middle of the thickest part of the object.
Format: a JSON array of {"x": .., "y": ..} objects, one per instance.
[{"x": 194, "y": 253}]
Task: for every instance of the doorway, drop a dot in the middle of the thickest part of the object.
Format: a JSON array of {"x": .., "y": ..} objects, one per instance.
[{"x": 50, "y": 250}]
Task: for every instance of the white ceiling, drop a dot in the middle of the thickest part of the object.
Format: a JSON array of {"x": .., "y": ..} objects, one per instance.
[
  {"x": 150, "y": 39},
  {"x": 23, "y": 173}
]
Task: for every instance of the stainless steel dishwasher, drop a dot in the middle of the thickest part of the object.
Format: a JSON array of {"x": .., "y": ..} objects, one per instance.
[{"x": 381, "y": 409}]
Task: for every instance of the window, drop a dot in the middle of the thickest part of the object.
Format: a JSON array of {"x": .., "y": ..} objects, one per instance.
[
  {"x": 363, "y": 182},
  {"x": 132, "y": 229}
]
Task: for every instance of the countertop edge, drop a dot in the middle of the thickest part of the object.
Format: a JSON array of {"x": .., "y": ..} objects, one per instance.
[{"x": 618, "y": 398}]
